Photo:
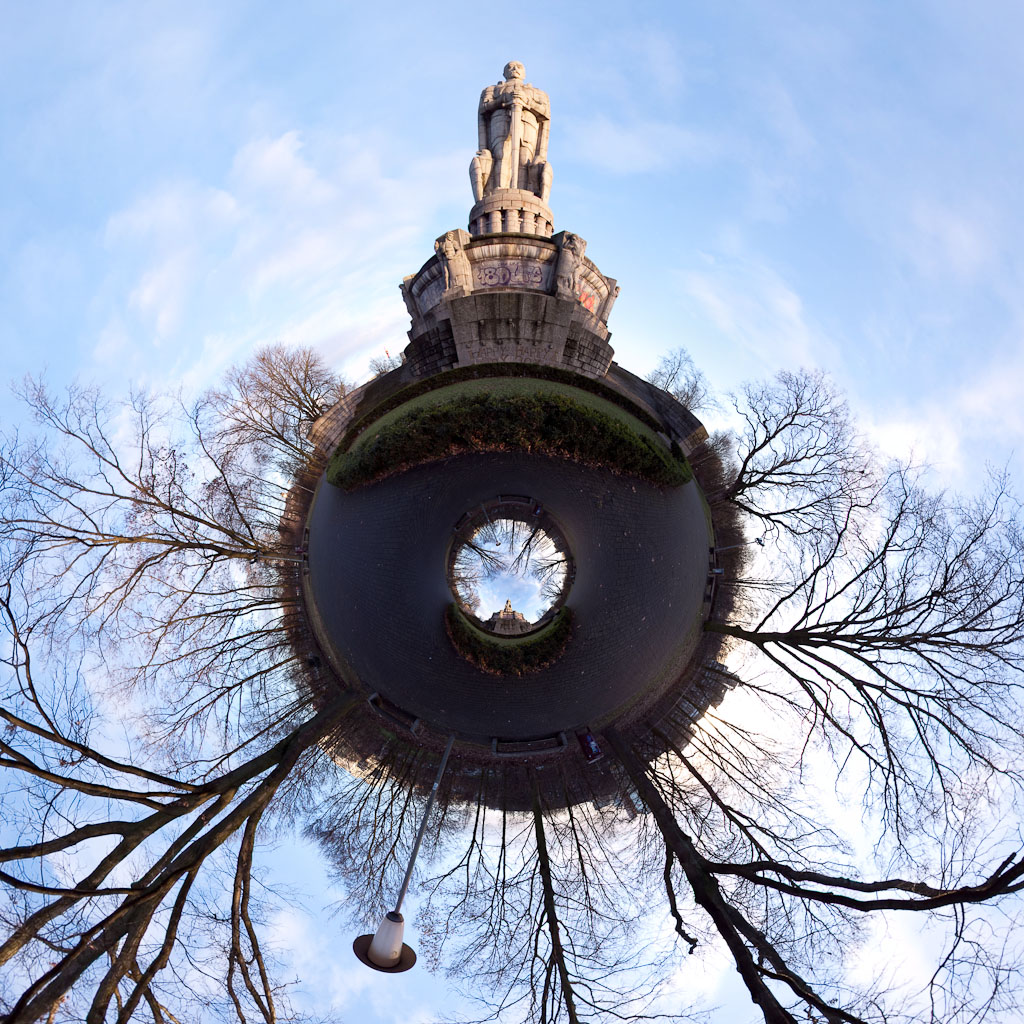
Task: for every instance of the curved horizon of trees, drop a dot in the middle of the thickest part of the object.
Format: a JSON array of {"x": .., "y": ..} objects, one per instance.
[{"x": 164, "y": 715}]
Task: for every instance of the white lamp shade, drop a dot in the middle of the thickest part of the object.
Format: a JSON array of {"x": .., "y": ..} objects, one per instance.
[{"x": 386, "y": 948}]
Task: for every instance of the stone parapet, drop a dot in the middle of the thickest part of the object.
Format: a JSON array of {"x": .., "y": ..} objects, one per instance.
[
  {"x": 432, "y": 351},
  {"x": 327, "y": 431},
  {"x": 507, "y": 262},
  {"x": 509, "y": 298},
  {"x": 679, "y": 423}
]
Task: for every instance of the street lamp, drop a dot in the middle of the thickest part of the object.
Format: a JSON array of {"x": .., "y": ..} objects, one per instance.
[
  {"x": 384, "y": 950},
  {"x": 759, "y": 541}
]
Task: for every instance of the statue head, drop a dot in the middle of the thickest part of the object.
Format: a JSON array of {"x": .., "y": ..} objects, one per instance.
[
  {"x": 514, "y": 69},
  {"x": 572, "y": 242}
]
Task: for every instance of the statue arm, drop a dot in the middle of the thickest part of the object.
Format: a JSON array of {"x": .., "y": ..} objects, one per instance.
[
  {"x": 542, "y": 141},
  {"x": 484, "y": 108}
]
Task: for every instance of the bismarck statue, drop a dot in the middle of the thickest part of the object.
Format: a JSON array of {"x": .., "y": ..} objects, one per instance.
[
  {"x": 509, "y": 289},
  {"x": 513, "y": 120},
  {"x": 510, "y": 174}
]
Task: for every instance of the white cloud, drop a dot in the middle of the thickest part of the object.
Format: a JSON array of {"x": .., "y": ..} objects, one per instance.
[
  {"x": 782, "y": 116},
  {"x": 113, "y": 344},
  {"x": 995, "y": 399},
  {"x": 977, "y": 420},
  {"x": 163, "y": 240},
  {"x": 750, "y": 305},
  {"x": 927, "y": 433},
  {"x": 311, "y": 952},
  {"x": 170, "y": 213},
  {"x": 291, "y": 247},
  {"x": 298, "y": 258},
  {"x": 161, "y": 292},
  {"x": 276, "y": 166},
  {"x": 333, "y": 981}
]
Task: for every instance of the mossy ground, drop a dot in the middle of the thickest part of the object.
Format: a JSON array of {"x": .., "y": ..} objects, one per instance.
[
  {"x": 508, "y": 656},
  {"x": 507, "y": 414}
]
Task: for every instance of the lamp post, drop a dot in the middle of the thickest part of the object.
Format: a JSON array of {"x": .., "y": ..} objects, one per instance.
[
  {"x": 759, "y": 541},
  {"x": 384, "y": 950}
]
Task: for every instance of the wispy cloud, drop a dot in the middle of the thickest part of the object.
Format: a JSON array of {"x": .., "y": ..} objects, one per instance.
[
  {"x": 277, "y": 167},
  {"x": 750, "y": 305},
  {"x": 977, "y": 420},
  {"x": 290, "y": 246},
  {"x": 335, "y": 982}
]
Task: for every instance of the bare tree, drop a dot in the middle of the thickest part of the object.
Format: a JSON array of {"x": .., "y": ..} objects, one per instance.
[
  {"x": 141, "y": 529},
  {"x": 534, "y": 910},
  {"x": 157, "y": 719},
  {"x": 380, "y": 365},
  {"x": 892, "y": 645},
  {"x": 901, "y": 639},
  {"x": 678, "y": 375},
  {"x": 118, "y": 922},
  {"x": 757, "y": 904},
  {"x": 150, "y": 567},
  {"x": 267, "y": 405},
  {"x": 799, "y": 465}
]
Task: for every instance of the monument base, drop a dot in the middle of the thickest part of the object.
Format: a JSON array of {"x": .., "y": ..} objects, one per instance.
[{"x": 514, "y": 210}]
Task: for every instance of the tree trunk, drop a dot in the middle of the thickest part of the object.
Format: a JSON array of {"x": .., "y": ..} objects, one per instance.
[
  {"x": 135, "y": 912},
  {"x": 550, "y": 911},
  {"x": 705, "y": 888}
]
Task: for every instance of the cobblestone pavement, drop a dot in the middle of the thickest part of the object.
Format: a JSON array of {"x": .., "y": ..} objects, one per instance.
[{"x": 377, "y": 575}]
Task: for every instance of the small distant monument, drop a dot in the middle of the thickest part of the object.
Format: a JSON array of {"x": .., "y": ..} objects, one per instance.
[{"x": 508, "y": 622}]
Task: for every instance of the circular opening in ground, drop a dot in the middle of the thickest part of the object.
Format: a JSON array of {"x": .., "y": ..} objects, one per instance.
[{"x": 509, "y": 567}]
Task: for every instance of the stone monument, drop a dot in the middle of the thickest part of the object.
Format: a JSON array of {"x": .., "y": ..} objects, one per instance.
[
  {"x": 510, "y": 174},
  {"x": 503, "y": 297},
  {"x": 508, "y": 621},
  {"x": 509, "y": 289}
]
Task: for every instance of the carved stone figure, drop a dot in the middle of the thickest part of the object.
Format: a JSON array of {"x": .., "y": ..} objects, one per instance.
[
  {"x": 606, "y": 306},
  {"x": 410, "y": 299},
  {"x": 513, "y": 120},
  {"x": 570, "y": 266},
  {"x": 458, "y": 277}
]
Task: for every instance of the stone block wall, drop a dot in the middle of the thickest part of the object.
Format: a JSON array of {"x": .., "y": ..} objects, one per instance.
[
  {"x": 431, "y": 351},
  {"x": 680, "y": 424},
  {"x": 586, "y": 351},
  {"x": 525, "y": 327}
]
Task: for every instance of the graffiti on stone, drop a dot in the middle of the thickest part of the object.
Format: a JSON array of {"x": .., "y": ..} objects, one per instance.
[{"x": 516, "y": 273}]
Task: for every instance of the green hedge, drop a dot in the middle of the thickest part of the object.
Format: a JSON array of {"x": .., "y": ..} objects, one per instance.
[
  {"x": 482, "y": 371},
  {"x": 508, "y": 656},
  {"x": 547, "y": 424}
]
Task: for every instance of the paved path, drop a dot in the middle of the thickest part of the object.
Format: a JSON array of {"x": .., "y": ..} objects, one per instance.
[{"x": 377, "y": 575}]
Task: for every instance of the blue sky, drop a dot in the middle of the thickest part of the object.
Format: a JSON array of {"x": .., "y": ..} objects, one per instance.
[
  {"x": 517, "y": 583},
  {"x": 795, "y": 184},
  {"x": 773, "y": 185}
]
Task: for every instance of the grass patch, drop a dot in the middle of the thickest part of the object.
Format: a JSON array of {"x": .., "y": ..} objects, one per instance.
[
  {"x": 484, "y": 371},
  {"x": 508, "y": 656},
  {"x": 513, "y": 415}
]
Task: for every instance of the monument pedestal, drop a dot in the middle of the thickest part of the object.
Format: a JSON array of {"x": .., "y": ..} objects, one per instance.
[{"x": 510, "y": 211}]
